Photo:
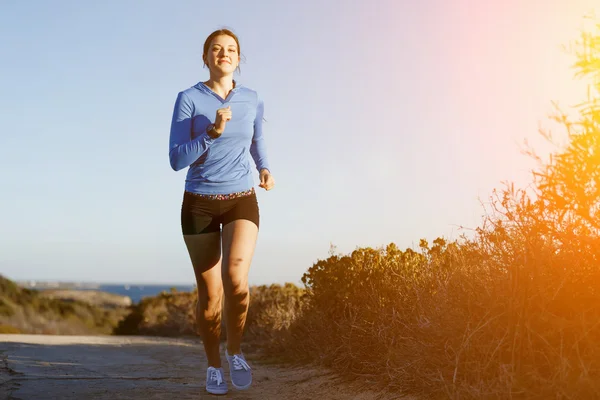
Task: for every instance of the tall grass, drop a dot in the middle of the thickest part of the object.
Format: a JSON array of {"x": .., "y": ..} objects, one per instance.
[{"x": 512, "y": 313}]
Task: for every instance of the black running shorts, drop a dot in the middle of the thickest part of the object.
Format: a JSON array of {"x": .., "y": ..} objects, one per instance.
[{"x": 204, "y": 214}]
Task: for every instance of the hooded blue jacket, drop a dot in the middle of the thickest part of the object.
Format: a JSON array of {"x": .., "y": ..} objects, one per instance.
[{"x": 222, "y": 165}]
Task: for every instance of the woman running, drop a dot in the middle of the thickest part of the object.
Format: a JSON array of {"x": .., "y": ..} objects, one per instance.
[{"x": 215, "y": 130}]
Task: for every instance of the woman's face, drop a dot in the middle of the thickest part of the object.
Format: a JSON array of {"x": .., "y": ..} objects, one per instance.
[{"x": 223, "y": 55}]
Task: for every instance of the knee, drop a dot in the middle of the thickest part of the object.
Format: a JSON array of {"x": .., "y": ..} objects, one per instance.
[
  {"x": 209, "y": 301},
  {"x": 235, "y": 275},
  {"x": 236, "y": 288},
  {"x": 235, "y": 263}
]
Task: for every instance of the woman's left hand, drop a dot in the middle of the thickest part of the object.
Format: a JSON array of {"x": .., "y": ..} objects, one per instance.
[{"x": 266, "y": 180}]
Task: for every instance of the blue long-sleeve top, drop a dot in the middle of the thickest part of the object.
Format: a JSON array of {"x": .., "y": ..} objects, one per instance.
[{"x": 222, "y": 165}]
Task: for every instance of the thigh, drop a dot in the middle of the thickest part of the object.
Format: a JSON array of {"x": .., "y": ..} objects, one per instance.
[
  {"x": 204, "y": 250},
  {"x": 239, "y": 241},
  {"x": 205, "y": 253},
  {"x": 202, "y": 237}
]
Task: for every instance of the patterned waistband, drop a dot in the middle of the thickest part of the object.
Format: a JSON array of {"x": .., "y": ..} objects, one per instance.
[{"x": 229, "y": 196}]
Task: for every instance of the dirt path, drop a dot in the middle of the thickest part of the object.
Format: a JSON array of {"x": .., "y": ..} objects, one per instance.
[{"x": 117, "y": 367}]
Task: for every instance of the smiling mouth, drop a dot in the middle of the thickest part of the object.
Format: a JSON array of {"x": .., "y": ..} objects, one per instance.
[{"x": 224, "y": 61}]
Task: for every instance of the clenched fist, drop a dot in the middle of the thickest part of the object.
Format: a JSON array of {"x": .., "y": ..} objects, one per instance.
[
  {"x": 266, "y": 179},
  {"x": 223, "y": 115}
]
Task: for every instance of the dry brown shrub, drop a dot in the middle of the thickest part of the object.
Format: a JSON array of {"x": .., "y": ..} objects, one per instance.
[{"x": 512, "y": 313}]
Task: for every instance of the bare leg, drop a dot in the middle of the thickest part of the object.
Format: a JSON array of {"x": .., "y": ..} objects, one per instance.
[
  {"x": 205, "y": 254},
  {"x": 239, "y": 241}
]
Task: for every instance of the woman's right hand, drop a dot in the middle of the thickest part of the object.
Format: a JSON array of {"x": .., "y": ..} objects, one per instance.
[{"x": 223, "y": 115}]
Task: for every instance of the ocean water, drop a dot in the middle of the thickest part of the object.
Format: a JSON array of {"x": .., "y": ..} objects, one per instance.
[{"x": 137, "y": 292}]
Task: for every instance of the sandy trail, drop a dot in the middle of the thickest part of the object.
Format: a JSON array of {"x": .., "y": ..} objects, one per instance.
[{"x": 134, "y": 367}]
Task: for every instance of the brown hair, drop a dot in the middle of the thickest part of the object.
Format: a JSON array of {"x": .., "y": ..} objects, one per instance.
[{"x": 216, "y": 33}]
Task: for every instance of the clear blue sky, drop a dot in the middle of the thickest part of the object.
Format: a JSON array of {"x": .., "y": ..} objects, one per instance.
[{"x": 387, "y": 120}]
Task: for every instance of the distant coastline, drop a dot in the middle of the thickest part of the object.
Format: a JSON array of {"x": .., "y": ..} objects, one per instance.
[{"x": 135, "y": 292}]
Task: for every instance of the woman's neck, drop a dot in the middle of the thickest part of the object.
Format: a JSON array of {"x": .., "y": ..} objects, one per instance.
[{"x": 221, "y": 85}]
